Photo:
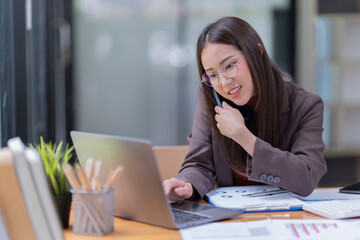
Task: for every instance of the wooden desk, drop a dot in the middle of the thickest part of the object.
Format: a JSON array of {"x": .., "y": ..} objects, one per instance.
[{"x": 126, "y": 229}]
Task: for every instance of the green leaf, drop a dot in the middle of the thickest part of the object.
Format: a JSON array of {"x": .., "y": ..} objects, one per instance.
[
  {"x": 55, "y": 185},
  {"x": 54, "y": 159}
]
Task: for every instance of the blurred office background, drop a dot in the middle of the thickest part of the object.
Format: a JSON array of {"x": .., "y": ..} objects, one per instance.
[{"x": 128, "y": 67}]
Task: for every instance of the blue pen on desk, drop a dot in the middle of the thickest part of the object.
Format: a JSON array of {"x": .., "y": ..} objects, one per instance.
[
  {"x": 266, "y": 193},
  {"x": 216, "y": 98}
]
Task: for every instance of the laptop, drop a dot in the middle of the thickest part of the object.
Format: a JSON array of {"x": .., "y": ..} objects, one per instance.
[{"x": 139, "y": 193}]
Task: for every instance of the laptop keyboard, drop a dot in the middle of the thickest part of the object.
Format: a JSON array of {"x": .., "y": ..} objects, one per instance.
[{"x": 184, "y": 217}]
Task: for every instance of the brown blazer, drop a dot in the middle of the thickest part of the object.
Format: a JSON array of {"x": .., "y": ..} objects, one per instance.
[{"x": 297, "y": 165}]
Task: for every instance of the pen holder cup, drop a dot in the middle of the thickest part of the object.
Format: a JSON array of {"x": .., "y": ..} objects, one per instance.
[{"x": 93, "y": 212}]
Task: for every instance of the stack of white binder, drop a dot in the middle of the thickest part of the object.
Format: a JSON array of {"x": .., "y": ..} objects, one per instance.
[{"x": 26, "y": 204}]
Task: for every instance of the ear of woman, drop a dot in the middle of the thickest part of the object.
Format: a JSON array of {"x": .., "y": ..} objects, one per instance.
[{"x": 261, "y": 48}]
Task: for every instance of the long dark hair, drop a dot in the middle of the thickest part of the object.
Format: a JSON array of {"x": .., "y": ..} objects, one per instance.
[{"x": 267, "y": 79}]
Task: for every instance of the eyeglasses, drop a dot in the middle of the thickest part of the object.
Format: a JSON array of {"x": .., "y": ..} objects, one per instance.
[{"x": 229, "y": 70}]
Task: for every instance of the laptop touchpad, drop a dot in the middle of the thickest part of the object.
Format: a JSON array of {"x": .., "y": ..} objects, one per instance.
[{"x": 191, "y": 206}]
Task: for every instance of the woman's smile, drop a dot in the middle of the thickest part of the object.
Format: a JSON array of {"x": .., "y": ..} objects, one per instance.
[{"x": 235, "y": 92}]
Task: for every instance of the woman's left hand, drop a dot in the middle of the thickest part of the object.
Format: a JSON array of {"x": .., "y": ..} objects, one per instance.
[
  {"x": 230, "y": 121},
  {"x": 231, "y": 124}
]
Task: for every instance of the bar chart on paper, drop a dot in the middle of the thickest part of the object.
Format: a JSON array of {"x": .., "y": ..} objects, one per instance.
[
  {"x": 301, "y": 230},
  {"x": 314, "y": 229}
]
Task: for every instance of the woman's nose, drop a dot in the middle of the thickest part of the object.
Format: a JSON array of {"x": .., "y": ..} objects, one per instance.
[{"x": 224, "y": 80}]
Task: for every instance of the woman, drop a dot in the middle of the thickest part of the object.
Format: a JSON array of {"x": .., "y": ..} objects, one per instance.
[{"x": 268, "y": 131}]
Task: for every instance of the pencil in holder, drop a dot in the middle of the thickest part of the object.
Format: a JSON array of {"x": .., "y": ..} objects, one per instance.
[{"x": 93, "y": 211}]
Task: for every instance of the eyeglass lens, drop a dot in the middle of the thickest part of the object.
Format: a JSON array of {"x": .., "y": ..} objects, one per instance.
[{"x": 228, "y": 70}]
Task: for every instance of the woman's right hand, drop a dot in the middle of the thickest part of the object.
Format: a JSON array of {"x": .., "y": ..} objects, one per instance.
[{"x": 177, "y": 190}]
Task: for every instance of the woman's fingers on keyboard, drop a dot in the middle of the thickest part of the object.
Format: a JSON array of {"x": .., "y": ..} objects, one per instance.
[
  {"x": 177, "y": 190},
  {"x": 185, "y": 191}
]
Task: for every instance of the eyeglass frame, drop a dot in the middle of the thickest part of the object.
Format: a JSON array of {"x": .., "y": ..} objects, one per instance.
[{"x": 205, "y": 76}]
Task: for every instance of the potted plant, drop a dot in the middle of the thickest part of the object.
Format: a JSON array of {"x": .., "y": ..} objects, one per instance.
[{"x": 54, "y": 159}]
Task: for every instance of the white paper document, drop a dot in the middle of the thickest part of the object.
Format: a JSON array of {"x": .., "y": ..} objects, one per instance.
[
  {"x": 259, "y": 230},
  {"x": 238, "y": 198},
  {"x": 276, "y": 229}
]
